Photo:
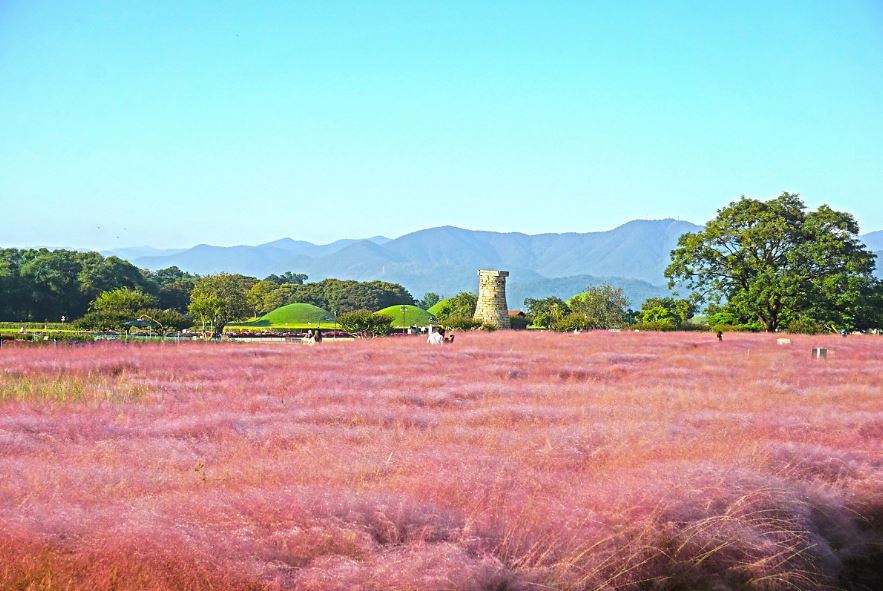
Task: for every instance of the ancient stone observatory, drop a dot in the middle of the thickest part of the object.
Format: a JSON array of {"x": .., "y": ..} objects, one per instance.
[{"x": 492, "y": 308}]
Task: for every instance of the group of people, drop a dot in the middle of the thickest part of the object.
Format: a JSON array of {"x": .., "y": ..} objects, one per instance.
[
  {"x": 438, "y": 337},
  {"x": 313, "y": 337}
]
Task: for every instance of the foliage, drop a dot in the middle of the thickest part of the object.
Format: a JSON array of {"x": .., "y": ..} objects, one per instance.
[
  {"x": 287, "y": 278},
  {"x": 667, "y": 309},
  {"x": 168, "y": 276},
  {"x": 165, "y": 320},
  {"x": 461, "y": 323},
  {"x": 726, "y": 320},
  {"x": 457, "y": 309},
  {"x": 659, "y": 324},
  {"x": 123, "y": 300},
  {"x": 176, "y": 295},
  {"x": 47, "y": 338},
  {"x": 342, "y": 296},
  {"x": 603, "y": 306},
  {"x": 43, "y": 284},
  {"x": 113, "y": 320},
  {"x": 544, "y": 312},
  {"x": 364, "y": 323},
  {"x": 172, "y": 287},
  {"x": 265, "y": 296},
  {"x": 34, "y": 325},
  {"x": 519, "y": 322},
  {"x": 429, "y": 300},
  {"x": 218, "y": 299},
  {"x": 776, "y": 263},
  {"x": 571, "y": 322}
]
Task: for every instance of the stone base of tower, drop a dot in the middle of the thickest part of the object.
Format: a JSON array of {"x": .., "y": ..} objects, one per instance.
[{"x": 492, "y": 308}]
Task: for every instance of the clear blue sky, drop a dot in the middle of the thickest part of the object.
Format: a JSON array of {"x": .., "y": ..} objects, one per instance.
[{"x": 174, "y": 123}]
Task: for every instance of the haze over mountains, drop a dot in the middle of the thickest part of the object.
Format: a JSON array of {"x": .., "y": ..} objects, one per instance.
[{"x": 445, "y": 259}]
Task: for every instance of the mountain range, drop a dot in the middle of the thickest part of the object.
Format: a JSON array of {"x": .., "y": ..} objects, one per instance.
[{"x": 445, "y": 259}]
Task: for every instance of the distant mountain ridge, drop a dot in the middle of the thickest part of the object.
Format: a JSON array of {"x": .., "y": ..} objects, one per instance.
[{"x": 445, "y": 259}]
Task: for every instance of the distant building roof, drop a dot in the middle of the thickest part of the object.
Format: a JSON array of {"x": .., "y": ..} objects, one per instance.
[{"x": 514, "y": 313}]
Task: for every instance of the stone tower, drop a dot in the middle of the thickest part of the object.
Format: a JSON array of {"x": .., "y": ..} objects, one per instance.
[{"x": 492, "y": 308}]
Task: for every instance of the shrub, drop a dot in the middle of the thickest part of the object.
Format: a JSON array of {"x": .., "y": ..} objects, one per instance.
[
  {"x": 571, "y": 322},
  {"x": 461, "y": 323},
  {"x": 519, "y": 322},
  {"x": 806, "y": 326},
  {"x": 171, "y": 320},
  {"x": 747, "y": 327},
  {"x": 663, "y": 325},
  {"x": 364, "y": 323}
]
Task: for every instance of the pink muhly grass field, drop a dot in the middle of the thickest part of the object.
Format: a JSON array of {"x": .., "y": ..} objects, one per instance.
[{"x": 505, "y": 461}]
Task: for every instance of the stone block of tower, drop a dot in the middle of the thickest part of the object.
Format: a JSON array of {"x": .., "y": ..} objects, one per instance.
[{"x": 491, "y": 308}]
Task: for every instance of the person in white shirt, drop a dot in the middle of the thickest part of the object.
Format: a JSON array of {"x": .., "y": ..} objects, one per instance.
[{"x": 436, "y": 337}]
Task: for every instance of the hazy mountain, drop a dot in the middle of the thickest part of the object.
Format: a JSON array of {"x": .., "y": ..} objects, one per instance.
[
  {"x": 316, "y": 250},
  {"x": 638, "y": 249},
  {"x": 203, "y": 259},
  {"x": 135, "y": 252},
  {"x": 446, "y": 259},
  {"x": 873, "y": 240}
]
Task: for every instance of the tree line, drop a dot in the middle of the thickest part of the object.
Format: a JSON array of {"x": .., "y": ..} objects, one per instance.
[
  {"x": 758, "y": 265},
  {"x": 42, "y": 285},
  {"x": 97, "y": 292}
]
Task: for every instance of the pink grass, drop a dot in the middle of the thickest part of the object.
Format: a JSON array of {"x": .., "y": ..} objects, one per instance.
[{"x": 505, "y": 461}]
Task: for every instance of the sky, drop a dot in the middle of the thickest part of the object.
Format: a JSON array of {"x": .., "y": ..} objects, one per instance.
[{"x": 176, "y": 123}]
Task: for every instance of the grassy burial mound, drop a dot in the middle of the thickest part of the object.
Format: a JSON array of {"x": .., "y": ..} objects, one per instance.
[
  {"x": 294, "y": 316},
  {"x": 412, "y": 316},
  {"x": 439, "y": 307}
]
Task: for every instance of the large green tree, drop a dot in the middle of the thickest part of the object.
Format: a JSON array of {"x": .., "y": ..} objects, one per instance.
[
  {"x": 113, "y": 309},
  {"x": 545, "y": 312},
  {"x": 287, "y": 277},
  {"x": 667, "y": 310},
  {"x": 602, "y": 306},
  {"x": 265, "y": 296},
  {"x": 219, "y": 299},
  {"x": 429, "y": 299},
  {"x": 42, "y": 284},
  {"x": 779, "y": 264},
  {"x": 458, "y": 310}
]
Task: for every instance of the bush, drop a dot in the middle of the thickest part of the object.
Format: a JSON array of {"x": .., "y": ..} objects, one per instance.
[
  {"x": 728, "y": 322},
  {"x": 37, "y": 325},
  {"x": 519, "y": 322},
  {"x": 747, "y": 327},
  {"x": 103, "y": 320},
  {"x": 461, "y": 323},
  {"x": 661, "y": 325},
  {"x": 364, "y": 323},
  {"x": 806, "y": 326},
  {"x": 49, "y": 337},
  {"x": 572, "y": 322},
  {"x": 171, "y": 320}
]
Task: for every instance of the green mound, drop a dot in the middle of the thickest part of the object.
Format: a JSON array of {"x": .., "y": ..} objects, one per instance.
[
  {"x": 294, "y": 316},
  {"x": 413, "y": 316},
  {"x": 439, "y": 307}
]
